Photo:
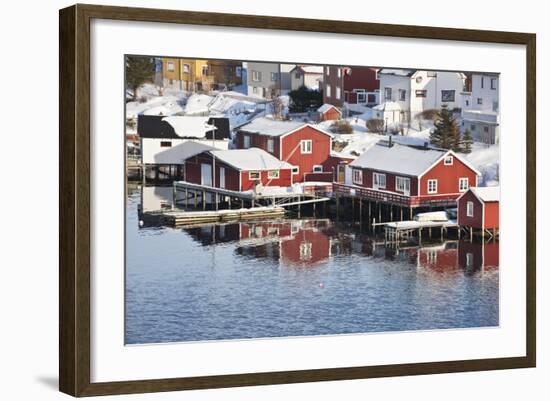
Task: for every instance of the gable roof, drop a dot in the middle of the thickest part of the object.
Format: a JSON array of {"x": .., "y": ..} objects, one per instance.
[
  {"x": 486, "y": 194},
  {"x": 387, "y": 106},
  {"x": 398, "y": 158},
  {"x": 250, "y": 159},
  {"x": 270, "y": 127},
  {"x": 189, "y": 149},
  {"x": 326, "y": 107}
]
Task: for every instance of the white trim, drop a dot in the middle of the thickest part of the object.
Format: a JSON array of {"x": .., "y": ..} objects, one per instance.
[
  {"x": 428, "y": 186},
  {"x": 456, "y": 157},
  {"x": 468, "y": 203},
  {"x": 451, "y": 160},
  {"x": 297, "y": 170},
  {"x": 254, "y": 172},
  {"x": 374, "y": 186},
  {"x": 460, "y": 179},
  {"x": 302, "y": 143},
  {"x": 353, "y": 180},
  {"x": 302, "y": 126},
  {"x": 277, "y": 176},
  {"x": 317, "y": 165}
]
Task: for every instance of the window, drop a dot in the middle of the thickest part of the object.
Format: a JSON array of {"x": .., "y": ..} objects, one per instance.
[
  {"x": 421, "y": 93},
  {"x": 479, "y": 100},
  {"x": 306, "y": 145},
  {"x": 270, "y": 145},
  {"x": 204, "y": 70},
  {"x": 448, "y": 96},
  {"x": 463, "y": 184},
  {"x": 470, "y": 209},
  {"x": 403, "y": 184},
  {"x": 387, "y": 93},
  {"x": 338, "y": 92},
  {"x": 327, "y": 71},
  {"x": 418, "y": 79},
  {"x": 432, "y": 186},
  {"x": 246, "y": 141},
  {"x": 274, "y": 76},
  {"x": 305, "y": 250},
  {"x": 317, "y": 168},
  {"x": 402, "y": 94},
  {"x": 482, "y": 82},
  {"x": 485, "y": 129},
  {"x": 165, "y": 144},
  {"x": 448, "y": 161},
  {"x": 495, "y": 106},
  {"x": 379, "y": 180},
  {"x": 357, "y": 176},
  {"x": 472, "y": 127},
  {"x": 328, "y": 90},
  {"x": 186, "y": 68},
  {"x": 467, "y": 102},
  {"x": 170, "y": 66},
  {"x": 493, "y": 83},
  {"x": 469, "y": 260},
  {"x": 295, "y": 170},
  {"x": 297, "y": 75},
  {"x": 339, "y": 72},
  {"x": 253, "y": 175},
  {"x": 273, "y": 174},
  {"x": 238, "y": 71},
  {"x": 256, "y": 76},
  {"x": 432, "y": 74}
]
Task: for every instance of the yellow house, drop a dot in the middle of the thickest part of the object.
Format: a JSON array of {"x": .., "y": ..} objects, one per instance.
[{"x": 186, "y": 74}]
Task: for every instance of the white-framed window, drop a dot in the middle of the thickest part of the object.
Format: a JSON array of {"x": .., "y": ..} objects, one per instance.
[
  {"x": 246, "y": 141},
  {"x": 357, "y": 176},
  {"x": 297, "y": 75},
  {"x": 403, "y": 184},
  {"x": 379, "y": 180},
  {"x": 493, "y": 83},
  {"x": 274, "y": 76},
  {"x": 479, "y": 100},
  {"x": 253, "y": 175},
  {"x": 273, "y": 174},
  {"x": 387, "y": 93},
  {"x": 270, "y": 145},
  {"x": 256, "y": 76},
  {"x": 432, "y": 186},
  {"x": 469, "y": 259},
  {"x": 470, "y": 209},
  {"x": 170, "y": 66},
  {"x": 204, "y": 70},
  {"x": 448, "y": 161},
  {"x": 421, "y": 93},
  {"x": 402, "y": 94},
  {"x": 482, "y": 82},
  {"x": 338, "y": 92},
  {"x": 317, "y": 168},
  {"x": 295, "y": 170},
  {"x": 463, "y": 184},
  {"x": 306, "y": 146},
  {"x": 186, "y": 68},
  {"x": 327, "y": 71},
  {"x": 339, "y": 72},
  {"x": 305, "y": 250},
  {"x": 327, "y": 89}
]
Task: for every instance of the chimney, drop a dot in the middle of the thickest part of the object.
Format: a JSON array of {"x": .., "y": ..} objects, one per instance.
[{"x": 390, "y": 142}]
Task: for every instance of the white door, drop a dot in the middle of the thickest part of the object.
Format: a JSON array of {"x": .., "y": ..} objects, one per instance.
[
  {"x": 406, "y": 187},
  {"x": 206, "y": 174},
  {"x": 222, "y": 177}
]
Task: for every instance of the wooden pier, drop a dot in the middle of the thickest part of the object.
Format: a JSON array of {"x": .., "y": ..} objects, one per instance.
[{"x": 398, "y": 231}]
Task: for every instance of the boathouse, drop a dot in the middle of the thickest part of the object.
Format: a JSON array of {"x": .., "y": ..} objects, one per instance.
[
  {"x": 409, "y": 176},
  {"x": 306, "y": 147},
  {"x": 237, "y": 169},
  {"x": 478, "y": 209}
]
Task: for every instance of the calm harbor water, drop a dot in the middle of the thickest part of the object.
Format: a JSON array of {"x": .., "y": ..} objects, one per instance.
[{"x": 296, "y": 277}]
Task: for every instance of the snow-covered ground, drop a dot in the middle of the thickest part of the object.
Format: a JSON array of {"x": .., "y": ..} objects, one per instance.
[{"x": 486, "y": 158}]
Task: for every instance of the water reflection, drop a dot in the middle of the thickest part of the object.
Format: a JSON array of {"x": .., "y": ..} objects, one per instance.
[{"x": 295, "y": 277}]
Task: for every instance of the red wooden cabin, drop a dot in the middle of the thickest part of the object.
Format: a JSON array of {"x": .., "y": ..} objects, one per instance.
[
  {"x": 329, "y": 112},
  {"x": 409, "y": 176},
  {"x": 305, "y": 147},
  {"x": 478, "y": 208},
  {"x": 350, "y": 85},
  {"x": 478, "y": 255},
  {"x": 237, "y": 169}
]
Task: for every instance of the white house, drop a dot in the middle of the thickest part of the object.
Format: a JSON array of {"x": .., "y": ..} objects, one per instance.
[
  {"x": 480, "y": 109},
  {"x": 416, "y": 90},
  {"x": 309, "y": 76},
  {"x": 388, "y": 111}
]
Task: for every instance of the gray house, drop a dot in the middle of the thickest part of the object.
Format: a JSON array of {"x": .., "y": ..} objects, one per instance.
[{"x": 264, "y": 79}]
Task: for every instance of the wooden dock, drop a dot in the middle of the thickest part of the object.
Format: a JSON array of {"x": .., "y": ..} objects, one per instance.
[
  {"x": 398, "y": 231},
  {"x": 178, "y": 218}
]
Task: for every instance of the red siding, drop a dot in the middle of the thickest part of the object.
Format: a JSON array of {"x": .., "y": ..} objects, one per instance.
[
  {"x": 361, "y": 78},
  {"x": 258, "y": 141},
  {"x": 483, "y": 254},
  {"x": 290, "y": 150},
  {"x": 331, "y": 114},
  {"x": 463, "y": 219},
  {"x": 284, "y": 180},
  {"x": 390, "y": 181},
  {"x": 491, "y": 215},
  {"x": 447, "y": 178}
]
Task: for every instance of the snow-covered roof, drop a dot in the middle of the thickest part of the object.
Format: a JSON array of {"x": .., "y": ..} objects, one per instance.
[
  {"x": 250, "y": 159},
  {"x": 387, "y": 106},
  {"x": 312, "y": 69},
  {"x": 189, "y": 149},
  {"x": 487, "y": 194},
  {"x": 197, "y": 103},
  {"x": 270, "y": 127},
  {"x": 189, "y": 126},
  {"x": 326, "y": 107},
  {"x": 402, "y": 73},
  {"x": 398, "y": 158}
]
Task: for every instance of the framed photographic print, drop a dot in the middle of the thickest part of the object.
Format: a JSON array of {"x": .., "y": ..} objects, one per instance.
[{"x": 250, "y": 200}]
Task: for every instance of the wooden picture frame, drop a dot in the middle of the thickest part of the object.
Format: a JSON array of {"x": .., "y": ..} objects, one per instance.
[{"x": 75, "y": 207}]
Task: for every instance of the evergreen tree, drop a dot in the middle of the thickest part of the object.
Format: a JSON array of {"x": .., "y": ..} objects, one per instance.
[
  {"x": 304, "y": 99},
  {"x": 138, "y": 71},
  {"x": 467, "y": 141},
  {"x": 446, "y": 133}
]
